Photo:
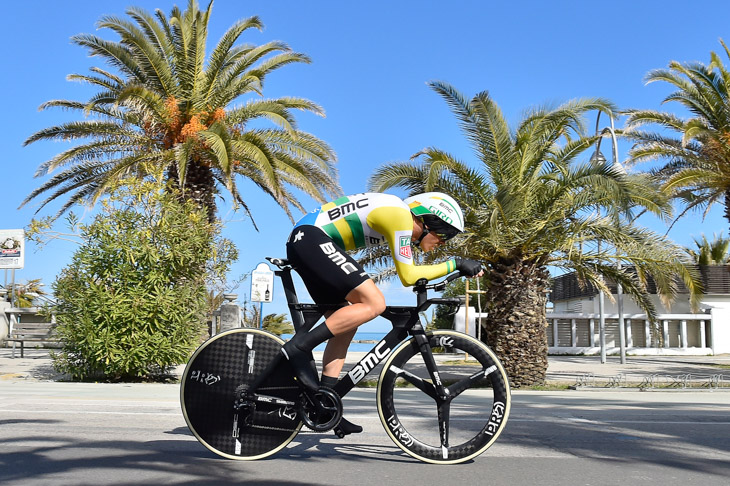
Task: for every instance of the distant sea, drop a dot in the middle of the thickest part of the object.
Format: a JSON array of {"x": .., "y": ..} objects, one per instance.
[{"x": 355, "y": 346}]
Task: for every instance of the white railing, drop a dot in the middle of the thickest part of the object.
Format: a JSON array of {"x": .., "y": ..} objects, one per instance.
[{"x": 574, "y": 333}]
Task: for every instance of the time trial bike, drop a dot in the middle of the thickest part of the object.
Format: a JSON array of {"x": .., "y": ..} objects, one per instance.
[{"x": 241, "y": 400}]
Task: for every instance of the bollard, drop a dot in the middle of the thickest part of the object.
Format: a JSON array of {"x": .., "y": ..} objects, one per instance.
[{"x": 230, "y": 313}]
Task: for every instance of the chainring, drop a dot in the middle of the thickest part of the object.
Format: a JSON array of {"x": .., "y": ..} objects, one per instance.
[{"x": 320, "y": 410}]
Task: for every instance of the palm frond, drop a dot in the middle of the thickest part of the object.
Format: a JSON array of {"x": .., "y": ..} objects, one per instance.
[{"x": 160, "y": 111}]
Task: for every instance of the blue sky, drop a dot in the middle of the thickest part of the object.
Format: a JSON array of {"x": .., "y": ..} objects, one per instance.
[{"x": 370, "y": 65}]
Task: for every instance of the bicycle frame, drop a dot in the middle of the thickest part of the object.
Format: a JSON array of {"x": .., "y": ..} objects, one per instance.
[
  {"x": 404, "y": 319},
  {"x": 270, "y": 406}
]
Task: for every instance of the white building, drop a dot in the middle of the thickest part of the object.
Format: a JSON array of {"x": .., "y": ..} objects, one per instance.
[{"x": 575, "y": 317}]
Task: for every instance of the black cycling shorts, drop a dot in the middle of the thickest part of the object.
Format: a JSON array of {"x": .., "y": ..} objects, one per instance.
[{"x": 328, "y": 272}]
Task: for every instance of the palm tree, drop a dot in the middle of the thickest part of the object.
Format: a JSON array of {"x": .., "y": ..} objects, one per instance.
[
  {"x": 715, "y": 252},
  {"x": 277, "y": 324},
  {"x": 696, "y": 150},
  {"x": 165, "y": 111},
  {"x": 29, "y": 292},
  {"x": 531, "y": 206}
]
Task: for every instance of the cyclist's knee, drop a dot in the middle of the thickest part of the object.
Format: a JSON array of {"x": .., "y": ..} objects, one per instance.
[
  {"x": 369, "y": 295},
  {"x": 376, "y": 304},
  {"x": 378, "y": 307}
]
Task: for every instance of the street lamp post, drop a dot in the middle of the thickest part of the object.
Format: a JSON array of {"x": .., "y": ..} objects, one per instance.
[
  {"x": 598, "y": 156},
  {"x": 601, "y": 320}
]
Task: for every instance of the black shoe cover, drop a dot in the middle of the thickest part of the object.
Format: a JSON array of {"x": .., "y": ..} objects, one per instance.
[
  {"x": 302, "y": 363},
  {"x": 345, "y": 427}
]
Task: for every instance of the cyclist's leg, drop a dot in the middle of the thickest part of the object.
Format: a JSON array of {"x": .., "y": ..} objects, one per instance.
[
  {"x": 345, "y": 427},
  {"x": 367, "y": 302},
  {"x": 334, "y": 354},
  {"x": 332, "y": 277},
  {"x": 298, "y": 351}
]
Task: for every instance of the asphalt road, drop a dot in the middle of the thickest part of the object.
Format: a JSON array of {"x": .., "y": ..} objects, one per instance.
[{"x": 120, "y": 434}]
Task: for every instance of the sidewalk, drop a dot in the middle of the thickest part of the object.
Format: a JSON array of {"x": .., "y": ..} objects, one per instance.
[{"x": 37, "y": 365}]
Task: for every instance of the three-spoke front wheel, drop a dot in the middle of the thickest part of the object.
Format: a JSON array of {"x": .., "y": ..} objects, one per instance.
[{"x": 445, "y": 429}]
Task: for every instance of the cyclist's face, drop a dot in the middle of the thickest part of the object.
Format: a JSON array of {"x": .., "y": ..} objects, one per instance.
[{"x": 431, "y": 241}]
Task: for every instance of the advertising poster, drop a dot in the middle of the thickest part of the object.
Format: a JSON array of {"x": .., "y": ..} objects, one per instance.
[
  {"x": 12, "y": 249},
  {"x": 262, "y": 284}
]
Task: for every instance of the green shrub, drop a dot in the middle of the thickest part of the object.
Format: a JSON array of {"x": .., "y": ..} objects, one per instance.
[{"x": 132, "y": 303}]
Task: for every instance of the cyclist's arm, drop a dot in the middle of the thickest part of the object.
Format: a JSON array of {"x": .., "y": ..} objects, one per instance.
[{"x": 396, "y": 224}]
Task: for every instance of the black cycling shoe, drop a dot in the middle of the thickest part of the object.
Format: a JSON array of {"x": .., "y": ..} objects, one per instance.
[
  {"x": 345, "y": 427},
  {"x": 302, "y": 363}
]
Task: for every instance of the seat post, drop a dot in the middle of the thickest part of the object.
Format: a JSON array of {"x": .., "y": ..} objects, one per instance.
[
  {"x": 303, "y": 316},
  {"x": 291, "y": 297}
]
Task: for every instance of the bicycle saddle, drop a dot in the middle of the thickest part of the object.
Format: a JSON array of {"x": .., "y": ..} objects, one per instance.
[{"x": 279, "y": 262}]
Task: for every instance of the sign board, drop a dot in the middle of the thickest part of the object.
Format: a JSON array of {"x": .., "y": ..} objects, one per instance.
[
  {"x": 12, "y": 249},
  {"x": 262, "y": 284}
]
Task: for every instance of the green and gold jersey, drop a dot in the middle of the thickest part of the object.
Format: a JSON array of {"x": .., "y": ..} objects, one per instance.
[{"x": 371, "y": 219}]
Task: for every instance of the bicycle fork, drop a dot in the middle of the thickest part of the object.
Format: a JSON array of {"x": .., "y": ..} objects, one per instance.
[
  {"x": 425, "y": 348},
  {"x": 442, "y": 395}
]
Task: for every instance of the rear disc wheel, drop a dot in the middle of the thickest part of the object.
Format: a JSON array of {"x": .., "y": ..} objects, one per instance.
[{"x": 211, "y": 384}]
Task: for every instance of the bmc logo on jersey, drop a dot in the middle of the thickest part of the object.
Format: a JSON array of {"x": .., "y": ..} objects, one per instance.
[
  {"x": 347, "y": 208},
  {"x": 338, "y": 258},
  {"x": 404, "y": 246}
]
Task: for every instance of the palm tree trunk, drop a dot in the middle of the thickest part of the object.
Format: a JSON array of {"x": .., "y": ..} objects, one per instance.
[
  {"x": 516, "y": 325},
  {"x": 199, "y": 187}
]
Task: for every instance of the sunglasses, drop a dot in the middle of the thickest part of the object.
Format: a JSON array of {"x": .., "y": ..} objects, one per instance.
[{"x": 442, "y": 230}]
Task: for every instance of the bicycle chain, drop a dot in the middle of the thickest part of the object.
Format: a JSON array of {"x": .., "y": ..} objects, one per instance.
[
  {"x": 265, "y": 427},
  {"x": 278, "y": 388},
  {"x": 279, "y": 429}
]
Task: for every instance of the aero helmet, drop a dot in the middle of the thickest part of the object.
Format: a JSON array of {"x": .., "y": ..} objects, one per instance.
[{"x": 439, "y": 212}]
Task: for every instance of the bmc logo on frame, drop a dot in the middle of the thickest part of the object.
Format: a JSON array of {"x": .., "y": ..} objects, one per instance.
[{"x": 370, "y": 361}]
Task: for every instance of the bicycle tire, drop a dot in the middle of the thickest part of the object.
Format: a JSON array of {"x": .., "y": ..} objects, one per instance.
[
  {"x": 476, "y": 417},
  {"x": 208, "y": 388}
]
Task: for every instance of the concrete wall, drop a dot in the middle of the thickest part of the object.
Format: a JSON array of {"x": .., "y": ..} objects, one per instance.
[
  {"x": 720, "y": 329},
  {"x": 4, "y": 323}
]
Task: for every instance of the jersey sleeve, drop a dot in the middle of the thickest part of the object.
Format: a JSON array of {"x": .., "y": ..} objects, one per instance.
[{"x": 396, "y": 225}]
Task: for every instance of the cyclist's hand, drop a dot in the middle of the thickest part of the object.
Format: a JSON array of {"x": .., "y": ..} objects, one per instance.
[{"x": 469, "y": 268}]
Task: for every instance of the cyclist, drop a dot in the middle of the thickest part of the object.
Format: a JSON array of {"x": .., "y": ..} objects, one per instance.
[{"x": 317, "y": 250}]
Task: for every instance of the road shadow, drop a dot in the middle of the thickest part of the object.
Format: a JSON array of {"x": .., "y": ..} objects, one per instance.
[{"x": 609, "y": 430}]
